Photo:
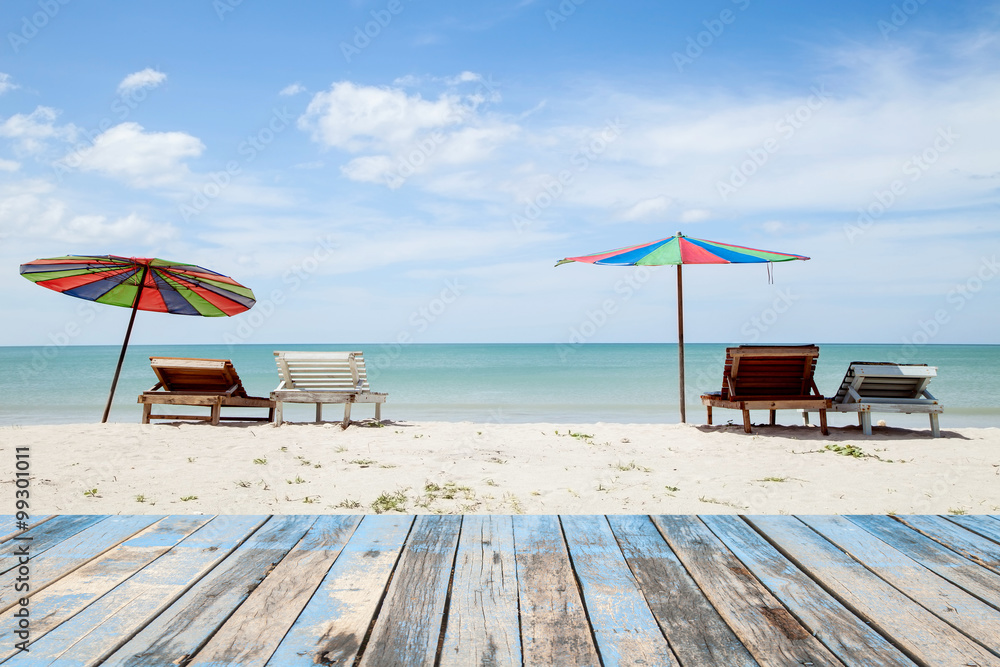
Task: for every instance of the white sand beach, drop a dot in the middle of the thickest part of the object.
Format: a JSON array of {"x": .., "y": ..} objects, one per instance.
[{"x": 439, "y": 467}]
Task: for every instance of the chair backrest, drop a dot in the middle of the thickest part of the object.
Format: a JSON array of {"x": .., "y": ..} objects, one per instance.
[
  {"x": 203, "y": 376},
  {"x": 322, "y": 371},
  {"x": 885, "y": 380},
  {"x": 761, "y": 371}
]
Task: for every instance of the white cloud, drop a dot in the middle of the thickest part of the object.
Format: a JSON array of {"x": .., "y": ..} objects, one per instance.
[
  {"x": 401, "y": 134},
  {"x": 132, "y": 227},
  {"x": 9, "y": 165},
  {"x": 696, "y": 215},
  {"x": 31, "y": 131},
  {"x": 147, "y": 78},
  {"x": 647, "y": 209},
  {"x": 293, "y": 89},
  {"x": 355, "y": 118},
  {"x": 29, "y": 209},
  {"x": 142, "y": 159},
  {"x": 5, "y": 83}
]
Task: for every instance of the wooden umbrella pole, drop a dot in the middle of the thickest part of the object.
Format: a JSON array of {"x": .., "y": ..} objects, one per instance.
[
  {"x": 680, "y": 337},
  {"x": 128, "y": 332}
]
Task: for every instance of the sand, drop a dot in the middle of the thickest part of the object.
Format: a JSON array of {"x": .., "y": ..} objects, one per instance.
[{"x": 420, "y": 468}]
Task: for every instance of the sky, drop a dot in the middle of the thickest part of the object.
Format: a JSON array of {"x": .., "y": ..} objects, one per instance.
[{"x": 399, "y": 171}]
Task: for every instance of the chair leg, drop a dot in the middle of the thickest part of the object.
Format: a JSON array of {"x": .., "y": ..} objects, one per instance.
[
  {"x": 147, "y": 408},
  {"x": 319, "y": 412},
  {"x": 347, "y": 415},
  {"x": 866, "y": 422},
  {"x": 935, "y": 427},
  {"x": 773, "y": 418},
  {"x": 822, "y": 423},
  {"x": 216, "y": 412},
  {"x": 805, "y": 417},
  {"x": 278, "y": 412},
  {"x": 708, "y": 409},
  {"x": 378, "y": 412},
  {"x": 746, "y": 421}
]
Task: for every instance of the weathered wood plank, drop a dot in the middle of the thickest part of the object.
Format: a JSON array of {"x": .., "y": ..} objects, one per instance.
[
  {"x": 333, "y": 625},
  {"x": 766, "y": 628},
  {"x": 554, "y": 628},
  {"x": 968, "y": 576},
  {"x": 72, "y": 553},
  {"x": 178, "y": 631},
  {"x": 72, "y": 593},
  {"x": 923, "y": 636},
  {"x": 946, "y": 601},
  {"x": 110, "y": 621},
  {"x": 847, "y": 637},
  {"x": 986, "y": 526},
  {"x": 408, "y": 628},
  {"x": 8, "y": 526},
  {"x": 250, "y": 636},
  {"x": 50, "y": 533},
  {"x": 696, "y": 632},
  {"x": 976, "y": 548},
  {"x": 483, "y": 627},
  {"x": 624, "y": 627}
]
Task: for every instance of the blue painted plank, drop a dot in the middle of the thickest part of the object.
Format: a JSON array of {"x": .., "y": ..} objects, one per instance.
[
  {"x": 973, "y": 546},
  {"x": 249, "y": 637},
  {"x": 483, "y": 626},
  {"x": 111, "y": 620},
  {"x": 68, "y": 596},
  {"x": 923, "y": 636},
  {"x": 333, "y": 624},
  {"x": 847, "y": 636},
  {"x": 624, "y": 627},
  {"x": 771, "y": 634},
  {"x": 986, "y": 526},
  {"x": 183, "y": 627},
  {"x": 74, "y": 552},
  {"x": 554, "y": 627},
  {"x": 44, "y": 536},
  {"x": 408, "y": 628},
  {"x": 968, "y": 576},
  {"x": 696, "y": 632},
  {"x": 946, "y": 601}
]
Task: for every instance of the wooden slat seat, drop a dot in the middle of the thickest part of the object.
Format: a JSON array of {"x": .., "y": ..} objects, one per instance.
[
  {"x": 212, "y": 383},
  {"x": 769, "y": 377},
  {"x": 880, "y": 386},
  {"x": 323, "y": 377}
]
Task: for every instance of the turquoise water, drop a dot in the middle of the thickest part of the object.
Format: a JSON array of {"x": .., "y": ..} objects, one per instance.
[{"x": 624, "y": 383}]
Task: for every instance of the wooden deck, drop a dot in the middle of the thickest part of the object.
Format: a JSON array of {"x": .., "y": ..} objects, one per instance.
[{"x": 497, "y": 590}]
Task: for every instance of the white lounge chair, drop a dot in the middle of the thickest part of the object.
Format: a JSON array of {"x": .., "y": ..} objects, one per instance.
[
  {"x": 323, "y": 377},
  {"x": 887, "y": 387}
]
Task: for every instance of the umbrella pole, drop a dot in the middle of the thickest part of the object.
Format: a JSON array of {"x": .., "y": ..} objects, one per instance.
[
  {"x": 680, "y": 337},
  {"x": 121, "y": 357}
]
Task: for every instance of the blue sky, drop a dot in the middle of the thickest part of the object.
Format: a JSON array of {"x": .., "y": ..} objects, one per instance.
[{"x": 411, "y": 171}]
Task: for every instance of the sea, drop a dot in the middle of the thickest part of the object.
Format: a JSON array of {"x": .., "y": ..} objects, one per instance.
[{"x": 489, "y": 383}]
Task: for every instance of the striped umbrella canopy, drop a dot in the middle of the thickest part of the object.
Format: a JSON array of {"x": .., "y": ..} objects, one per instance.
[
  {"x": 141, "y": 283},
  {"x": 680, "y": 250}
]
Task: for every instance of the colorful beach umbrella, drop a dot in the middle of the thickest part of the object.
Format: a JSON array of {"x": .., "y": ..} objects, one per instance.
[
  {"x": 680, "y": 250},
  {"x": 141, "y": 283}
]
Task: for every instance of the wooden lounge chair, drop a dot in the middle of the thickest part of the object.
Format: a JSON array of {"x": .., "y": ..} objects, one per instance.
[
  {"x": 887, "y": 387},
  {"x": 323, "y": 377},
  {"x": 766, "y": 377},
  {"x": 212, "y": 383}
]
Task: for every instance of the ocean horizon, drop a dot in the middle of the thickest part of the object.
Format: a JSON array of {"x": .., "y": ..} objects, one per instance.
[{"x": 488, "y": 383}]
